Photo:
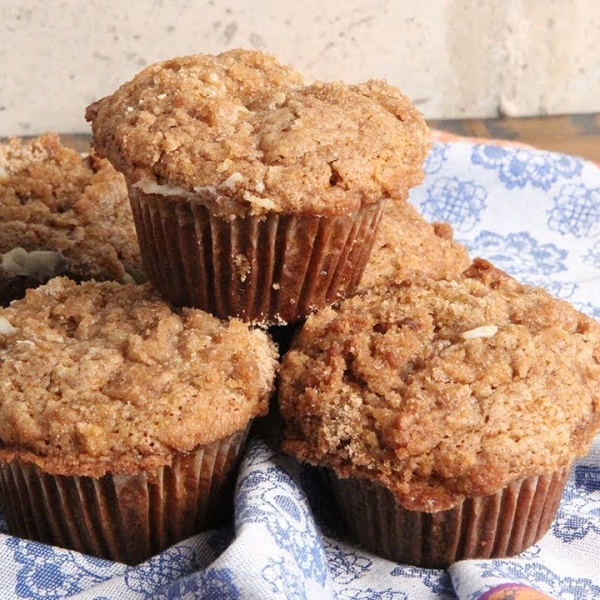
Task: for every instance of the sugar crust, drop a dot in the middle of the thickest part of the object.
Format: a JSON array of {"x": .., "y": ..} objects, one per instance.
[
  {"x": 259, "y": 138},
  {"x": 106, "y": 376},
  {"x": 407, "y": 244},
  {"x": 387, "y": 386}
]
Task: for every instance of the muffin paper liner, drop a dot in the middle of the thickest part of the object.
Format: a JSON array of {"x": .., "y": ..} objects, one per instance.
[
  {"x": 500, "y": 525},
  {"x": 268, "y": 269},
  {"x": 126, "y": 518}
]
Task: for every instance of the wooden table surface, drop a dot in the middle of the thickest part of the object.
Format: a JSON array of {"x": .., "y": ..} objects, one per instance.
[{"x": 571, "y": 134}]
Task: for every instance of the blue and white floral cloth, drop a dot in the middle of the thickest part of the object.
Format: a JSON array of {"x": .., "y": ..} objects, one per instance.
[{"x": 535, "y": 214}]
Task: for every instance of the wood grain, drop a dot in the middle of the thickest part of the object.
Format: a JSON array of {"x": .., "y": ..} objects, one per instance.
[{"x": 571, "y": 134}]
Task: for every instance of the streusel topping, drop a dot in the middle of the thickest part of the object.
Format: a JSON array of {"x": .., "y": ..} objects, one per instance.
[
  {"x": 247, "y": 135},
  {"x": 407, "y": 244},
  {"x": 443, "y": 389},
  {"x": 74, "y": 208},
  {"x": 106, "y": 376}
]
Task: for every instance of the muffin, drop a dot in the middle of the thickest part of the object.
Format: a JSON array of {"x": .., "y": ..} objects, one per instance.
[
  {"x": 407, "y": 244},
  {"x": 446, "y": 412},
  {"x": 256, "y": 194},
  {"x": 62, "y": 213},
  {"x": 122, "y": 420}
]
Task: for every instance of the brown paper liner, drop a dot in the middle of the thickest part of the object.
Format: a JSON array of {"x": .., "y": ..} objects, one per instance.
[
  {"x": 126, "y": 518},
  {"x": 496, "y": 526},
  {"x": 270, "y": 269}
]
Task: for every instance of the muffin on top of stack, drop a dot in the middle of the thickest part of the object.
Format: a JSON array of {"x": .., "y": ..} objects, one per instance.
[{"x": 256, "y": 194}]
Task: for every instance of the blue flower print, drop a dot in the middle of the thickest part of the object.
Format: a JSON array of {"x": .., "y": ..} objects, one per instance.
[
  {"x": 565, "y": 290},
  {"x": 371, "y": 594},
  {"x": 576, "y": 212},
  {"x": 257, "y": 454},
  {"x": 286, "y": 518},
  {"x": 437, "y": 580},
  {"x": 284, "y": 583},
  {"x": 345, "y": 567},
  {"x": 49, "y": 573},
  {"x": 519, "y": 254},
  {"x": 455, "y": 201},
  {"x": 588, "y": 477},
  {"x": 592, "y": 257},
  {"x": 572, "y": 527},
  {"x": 531, "y": 553},
  {"x": 578, "y": 515},
  {"x": 272, "y": 496},
  {"x": 435, "y": 159},
  {"x": 516, "y": 167},
  {"x": 216, "y": 584},
  {"x": 560, "y": 289},
  {"x": 161, "y": 570}
]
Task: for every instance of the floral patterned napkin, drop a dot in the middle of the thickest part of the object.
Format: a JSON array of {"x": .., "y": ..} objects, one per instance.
[{"x": 535, "y": 214}]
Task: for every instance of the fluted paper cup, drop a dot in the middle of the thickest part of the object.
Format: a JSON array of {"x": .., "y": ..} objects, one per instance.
[
  {"x": 126, "y": 518},
  {"x": 500, "y": 525},
  {"x": 268, "y": 269}
]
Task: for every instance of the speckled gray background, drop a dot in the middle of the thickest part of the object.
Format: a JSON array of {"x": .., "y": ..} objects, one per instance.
[{"x": 454, "y": 58}]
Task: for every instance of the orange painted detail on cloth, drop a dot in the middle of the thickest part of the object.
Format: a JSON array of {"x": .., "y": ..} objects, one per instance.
[{"x": 514, "y": 591}]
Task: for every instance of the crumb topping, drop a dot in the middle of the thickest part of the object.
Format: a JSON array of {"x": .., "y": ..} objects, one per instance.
[
  {"x": 406, "y": 244},
  {"x": 251, "y": 131},
  {"x": 105, "y": 375},
  {"x": 443, "y": 389},
  {"x": 54, "y": 200}
]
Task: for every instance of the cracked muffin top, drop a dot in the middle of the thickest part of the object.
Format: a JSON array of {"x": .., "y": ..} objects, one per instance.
[
  {"x": 443, "y": 389},
  {"x": 106, "y": 376},
  {"x": 247, "y": 135},
  {"x": 71, "y": 212}
]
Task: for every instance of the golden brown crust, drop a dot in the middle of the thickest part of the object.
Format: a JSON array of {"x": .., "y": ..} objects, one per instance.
[
  {"x": 105, "y": 376},
  {"x": 444, "y": 389},
  {"x": 250, "y": 136},
  {"x": 53, "y": 199},
  {"x": 407, "y": 244}
]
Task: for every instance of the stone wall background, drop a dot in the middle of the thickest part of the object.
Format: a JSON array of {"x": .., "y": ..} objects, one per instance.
[{"x": 454, "y": 58}]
